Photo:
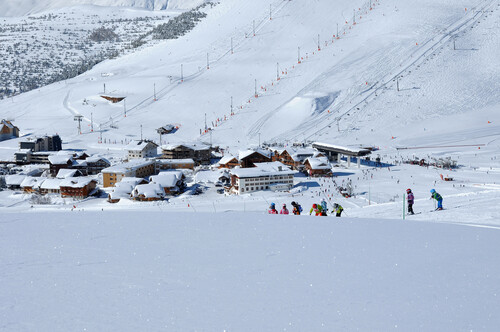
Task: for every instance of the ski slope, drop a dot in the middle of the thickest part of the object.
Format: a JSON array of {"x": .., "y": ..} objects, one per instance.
[{"x": 134, "y": 271}]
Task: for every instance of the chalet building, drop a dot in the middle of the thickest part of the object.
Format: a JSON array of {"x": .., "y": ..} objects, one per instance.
[
  {"x": 92, "y": 165},
  {"x": 113, "y": 99},
  {"x": 137, "y": 168},
  {"x": 148, "y": 192},
  {"x": 250, "y": 157},
  {"x": 14, "y": 181},
  {"x": 32, "y": 184},
  {"x": 166, "y": 164},
  {"x": 51, "y": 186},
  {"x": 8, "y": 130},
  {"x": 228, "y": 162},
  {"x": 171, "y": 182},
  {"x": 124, "y": 188},
  {"x": 317, "y": 167},
  {"x": 200, "y": 153},
  {"x": 264, "y": 176},
  {"x": 60, "y": 161},
  {"x": 79, "y": 188},
  {"x": 295, "y": 157},
  {"x": 142, "y": 149}
]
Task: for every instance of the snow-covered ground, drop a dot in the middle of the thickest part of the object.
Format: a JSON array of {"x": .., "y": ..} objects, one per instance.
[{"x": 129, "y": 271}]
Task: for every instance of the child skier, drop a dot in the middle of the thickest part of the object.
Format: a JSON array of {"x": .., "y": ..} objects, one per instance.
[
  {"x": 272, "y": 209},
  {"x": 324, "y": 207},
  {"x": 337, "y": 209},
  {"x": 284, "y": 210},
  {"x": 317, "y": 210},
  {"x": 410, "y": 199},
  {"x": 438, "y": 198},
  {"x": 297, "y": 209}
]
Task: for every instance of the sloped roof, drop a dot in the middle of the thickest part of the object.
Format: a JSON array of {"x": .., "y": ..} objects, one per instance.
[
  {"x": 51, "y": 184},
  {"x": 245, "y": 154},
  {"x": 319, "y": 163},
  {"x": 226, "y": 159},
  {"x": 78, "y": 182},
  {"x": 165, "y": 180},
  {"x": 31, "y": 181},
  {"x": 60, "y": 159},
  {"x": 193, "y": 146},
  {"x": 149, "y": 190},
  {"x": 64, "y": 173},
  {"x": 140, "y": 145},
  {"x": 128, "y": 166},
  {"x": 263, "y": 169}
]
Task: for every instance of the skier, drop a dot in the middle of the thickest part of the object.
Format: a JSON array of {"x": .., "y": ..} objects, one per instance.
[
  {"x": 337, "y": 209},
  {"x": 324, "y": 207},
  {"x": 317, "y": 210},
  {"x": 284, "y": 210},
  {"x": 410, "y": 198},
  {"x": 272, "y": 209},
  {"x": 297, "y": 209},
  {"x": 438, "y": 198}
]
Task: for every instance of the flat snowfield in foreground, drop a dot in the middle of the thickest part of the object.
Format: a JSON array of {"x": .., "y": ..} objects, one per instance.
[{"x": 151, "y": 271}]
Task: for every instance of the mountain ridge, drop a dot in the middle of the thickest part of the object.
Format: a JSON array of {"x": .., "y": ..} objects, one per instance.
[{"x": 27, "y": 7}]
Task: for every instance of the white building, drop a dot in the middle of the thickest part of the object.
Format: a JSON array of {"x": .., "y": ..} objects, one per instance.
[
  {"x": 264, "y": 176},
  {"x": 142, "y": 149}
]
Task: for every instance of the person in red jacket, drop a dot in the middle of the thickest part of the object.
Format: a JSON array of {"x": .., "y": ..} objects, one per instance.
[{"x": 272, "y": 209}]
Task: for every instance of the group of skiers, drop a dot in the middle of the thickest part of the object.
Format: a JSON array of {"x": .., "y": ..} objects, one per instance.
[
  {"x": 410, "y": 199},
  {"x": 318, "y": 209}
]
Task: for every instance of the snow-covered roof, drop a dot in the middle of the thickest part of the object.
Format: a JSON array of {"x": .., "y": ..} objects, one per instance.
[
  {"x": 263, "y": 169},
  {"x": 341, "y": 149},
  {"x": 78, "y": 182},
  {"x": 51, "y": 184},
  {"x": 128, "y": 166},
  {"x": 95, "y": 159},
  {"x": 226, "y": 159},
  {"x": 14, "y": 180},
  {"x": 140, "y": 145},
  {"x": 130, "y": 180},
  {"x": 64, "y": 173},
  {"x": 193, "y": 146},
  {"x": 319, "y": 163},
  {"x": 175, "y": 161},
  {"x": 166, "y": 179},
  {"x": 149, "y": 190},
  {"x": 8, "y": 124},
  {"x": 244, "y": 154},
  {"x": 60, "y": 159}
]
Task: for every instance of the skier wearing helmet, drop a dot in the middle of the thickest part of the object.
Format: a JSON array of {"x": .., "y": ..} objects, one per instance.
[
  {"x": 317, "y": 210},
  {"x": 272, "y": 209},
  {"x": 410, "y": 199},
  {"x": 284, "y": 210},
  {"x": 438, "y": 198}
]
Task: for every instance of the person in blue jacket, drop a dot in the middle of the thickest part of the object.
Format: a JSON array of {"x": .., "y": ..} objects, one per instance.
[{"x": 438, "y": 198}]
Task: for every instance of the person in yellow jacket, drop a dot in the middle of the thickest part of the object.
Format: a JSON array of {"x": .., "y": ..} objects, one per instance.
[
  {"x": 317, "y": 210},
  {"x": 337, "y": 209}
]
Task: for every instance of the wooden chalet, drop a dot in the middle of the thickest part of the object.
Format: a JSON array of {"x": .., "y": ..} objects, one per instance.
[
  {"x": 80, "y": 187},
  {"x": 200, "y": 153},
  {"x": 228, "y": 162},
  {"x": 249, "y": 158},
  {"x": 8, "y": 130},
  {"x": 148, "y": 192},
  {"x": 318, "y": 167}
]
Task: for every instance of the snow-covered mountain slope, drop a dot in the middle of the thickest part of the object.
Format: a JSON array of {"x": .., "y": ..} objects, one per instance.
[
  {"x": 233, "y": 272},
  {"x": 356, "y": 71},
  {"x": 25, "y": 7}
]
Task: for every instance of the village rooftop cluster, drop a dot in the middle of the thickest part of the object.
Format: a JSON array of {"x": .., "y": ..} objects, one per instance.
[{"x": 149, "y": 172}]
